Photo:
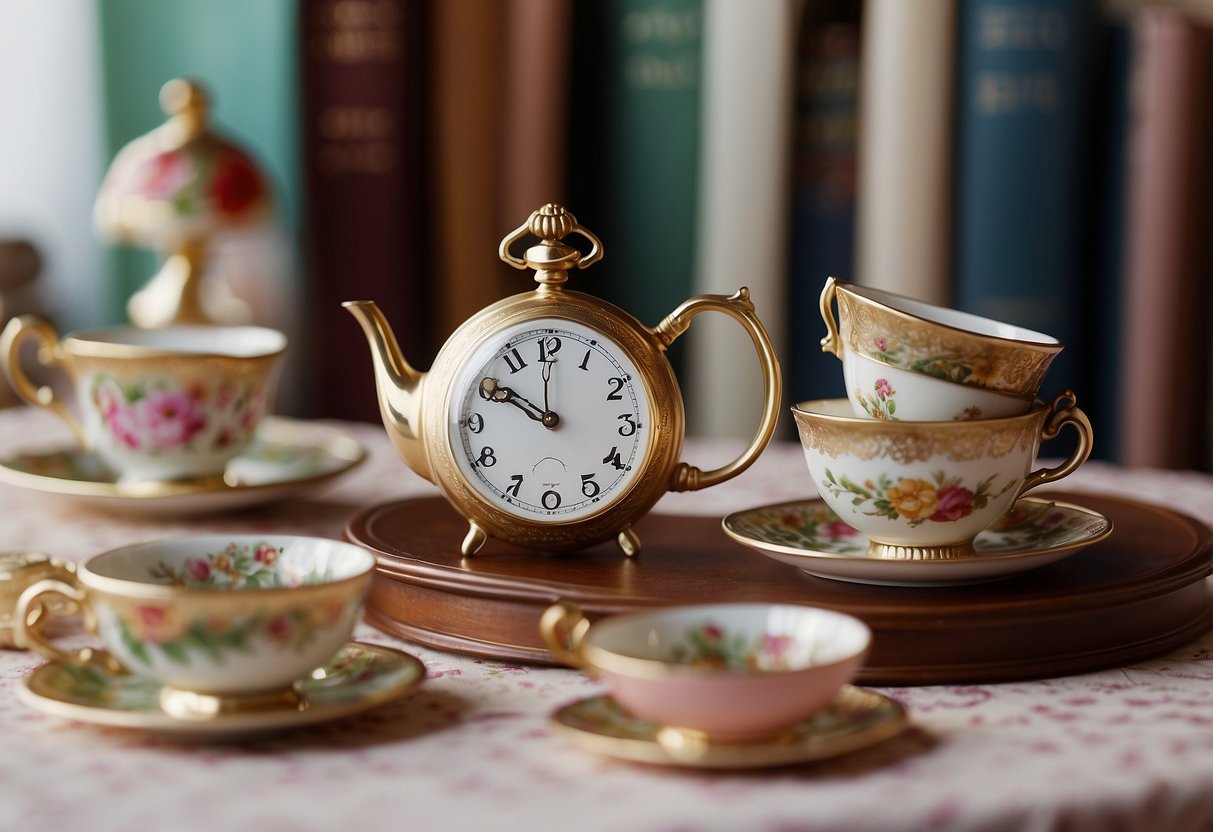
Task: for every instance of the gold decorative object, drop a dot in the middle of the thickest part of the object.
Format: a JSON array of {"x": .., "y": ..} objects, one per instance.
[
  {"x": 173, "y": 190},
  {"x": 552, "y": 419},
  {"x": 19, "y": 571}
]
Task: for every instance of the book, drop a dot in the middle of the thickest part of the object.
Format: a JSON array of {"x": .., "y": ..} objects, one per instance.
[
  {"x": 822, "y": 233},
  {"x": 361, "y": 89},
  {"x": 636, "y": 147},
  {"x": 904, "y": 165},
  {"x": 1019, "y": 211},
  {"x": 534, "y": 124},
  {"x": 744, "y": 205},
  {"x": 1166, "y": 286},
  {"x": 464, "y": 111}
]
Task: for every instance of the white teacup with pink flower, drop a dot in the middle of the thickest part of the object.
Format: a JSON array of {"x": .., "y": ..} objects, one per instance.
[{"x": 155, "y": 404}]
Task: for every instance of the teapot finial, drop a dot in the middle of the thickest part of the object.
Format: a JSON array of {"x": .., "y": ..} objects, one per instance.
[{"x": 550, "y": 258}]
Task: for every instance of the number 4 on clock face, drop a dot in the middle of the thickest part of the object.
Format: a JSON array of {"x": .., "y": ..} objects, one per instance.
[{"x": 550, "y": 421}]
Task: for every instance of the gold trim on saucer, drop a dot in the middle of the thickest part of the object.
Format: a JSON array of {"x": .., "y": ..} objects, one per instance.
[
  {"x": 344, "y": 453},
  {"x": 135, "y": 703},
  {"x": 857, "y": 718}
]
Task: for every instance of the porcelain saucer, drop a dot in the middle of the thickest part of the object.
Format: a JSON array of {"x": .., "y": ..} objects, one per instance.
[
  {"x": 808, "y": 535},
  {"x": 361, "y": 676},
  {"x": 287, "y": 455},
  {"x": 857, "y": 718}
]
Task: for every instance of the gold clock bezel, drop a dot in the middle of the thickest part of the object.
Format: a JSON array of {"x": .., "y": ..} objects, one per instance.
[{"x": 653, "y": 475}]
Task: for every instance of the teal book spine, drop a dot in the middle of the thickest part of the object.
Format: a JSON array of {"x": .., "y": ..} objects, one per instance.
[
  {"x": 1021, "y": 131},
  {"x": 635, "y": 148}
]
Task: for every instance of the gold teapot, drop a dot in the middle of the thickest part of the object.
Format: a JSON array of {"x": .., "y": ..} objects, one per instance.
[{"x": 552, "y": 419}]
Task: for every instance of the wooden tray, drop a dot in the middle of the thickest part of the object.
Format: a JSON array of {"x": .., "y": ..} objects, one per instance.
[{"x": 1136, "y": 594}]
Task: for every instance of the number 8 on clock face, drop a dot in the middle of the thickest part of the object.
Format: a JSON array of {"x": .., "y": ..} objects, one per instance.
[{"x": 549, "y": 421}]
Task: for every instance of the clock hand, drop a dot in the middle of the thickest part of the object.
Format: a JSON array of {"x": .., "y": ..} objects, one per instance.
[
  {"x": 550, "y": 418},
  {"x": 491, "y": 391}
]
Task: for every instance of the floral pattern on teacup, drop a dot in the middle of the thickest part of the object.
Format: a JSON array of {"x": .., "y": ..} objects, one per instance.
[
  {"x": 160, "y": 416},
  {"x": 711, "y": 645},
  {"x": 955, "y": 368},
  {"x": 236, "y": 566},
  {"x": 882, "y": 404},
  {"x": 941, "y": 499},
  {"x": 151, "y": 630}
]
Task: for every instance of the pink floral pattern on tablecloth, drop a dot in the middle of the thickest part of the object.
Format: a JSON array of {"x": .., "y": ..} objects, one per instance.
[{"x": 1123, "y": 749}]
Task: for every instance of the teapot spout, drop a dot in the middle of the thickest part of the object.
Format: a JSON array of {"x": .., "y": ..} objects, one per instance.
[{"x": 397, "y": 384}]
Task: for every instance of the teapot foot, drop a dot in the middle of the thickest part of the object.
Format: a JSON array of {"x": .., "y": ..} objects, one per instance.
[{"x": 473, "y": 540}]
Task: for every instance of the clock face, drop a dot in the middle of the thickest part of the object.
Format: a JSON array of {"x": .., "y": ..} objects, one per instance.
[{"x": 549, "y": 421}]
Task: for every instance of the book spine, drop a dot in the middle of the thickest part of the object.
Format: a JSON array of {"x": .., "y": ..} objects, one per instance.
[
  {"x": 822, "y": 233},
  {"x": 1019, "y": 207},
  {"x": 1166, "y": 260},
  {"x": 744, "y": 205},
  {"x": 361, "y": 98},
  {"x": 905, "y": 157}
]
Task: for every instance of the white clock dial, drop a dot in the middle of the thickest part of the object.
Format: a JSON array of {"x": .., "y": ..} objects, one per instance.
[{"x": 549, "y": 421}]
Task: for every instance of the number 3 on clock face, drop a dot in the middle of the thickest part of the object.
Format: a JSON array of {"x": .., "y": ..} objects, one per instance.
[{"x": 549, "y": 421}]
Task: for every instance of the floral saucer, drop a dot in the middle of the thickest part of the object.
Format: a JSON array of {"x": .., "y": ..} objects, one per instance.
[
  {"x": 361, "y": 676},
  {"x": 808, "y": 535},
  {"x": 285, "y": 456},
  {"x": 857, "y": 718}
]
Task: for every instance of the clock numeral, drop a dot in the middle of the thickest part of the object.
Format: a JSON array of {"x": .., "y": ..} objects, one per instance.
[
  {"x": 612, "y": 458},
  {"x": 588, "y": 487},
  {"x": 585, "y": 362},
  {"x": 548, "y": 347},
  {"x": 516, "y": 487},
  {"x": 550, "y": 500},
  {"x": 617, "y": 385},
  {"x": 628, "y": 427},
  {"x": 487, "y": 458},
  {"x": 475, "y": 423},
  {"x": 514, "y": 360}
]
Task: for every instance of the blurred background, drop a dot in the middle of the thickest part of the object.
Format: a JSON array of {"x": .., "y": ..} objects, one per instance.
[{"x": 1043, "y": 162}]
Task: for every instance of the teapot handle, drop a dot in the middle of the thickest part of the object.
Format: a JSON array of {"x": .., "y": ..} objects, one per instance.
[{"x": 738, "y": 306}]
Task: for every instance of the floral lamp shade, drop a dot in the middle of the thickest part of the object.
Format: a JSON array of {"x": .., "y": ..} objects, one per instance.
[{"x": 173, "y": 190}]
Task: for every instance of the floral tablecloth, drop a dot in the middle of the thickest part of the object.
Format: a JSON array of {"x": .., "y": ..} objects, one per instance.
[{"x": 1124, "y": 749}]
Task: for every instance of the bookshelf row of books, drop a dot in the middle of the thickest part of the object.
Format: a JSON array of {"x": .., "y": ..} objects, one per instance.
[{"x": 1036, "y": 161}]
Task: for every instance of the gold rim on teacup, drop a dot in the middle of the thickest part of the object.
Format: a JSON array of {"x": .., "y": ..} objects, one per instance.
[
  {"x": 960, "y": 476},
  {"x": 948, "y": 344}
]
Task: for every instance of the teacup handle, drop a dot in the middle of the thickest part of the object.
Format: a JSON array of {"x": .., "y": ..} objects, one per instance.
[
  {"x": 563, "y": 627},
  {"x": 737, "y": 306},
  {"x": 38, "y": 604},
  {"x": 832, "y": 343},
  {"x": 1063, "y": 411},
  {"x": 50, "y": 353}
]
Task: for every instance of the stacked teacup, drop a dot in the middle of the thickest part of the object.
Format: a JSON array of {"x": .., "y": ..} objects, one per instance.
[{"x": 940, "y": 429}]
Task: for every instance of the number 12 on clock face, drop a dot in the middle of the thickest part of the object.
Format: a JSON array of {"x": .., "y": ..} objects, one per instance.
[{"x": 550, "y": 421}]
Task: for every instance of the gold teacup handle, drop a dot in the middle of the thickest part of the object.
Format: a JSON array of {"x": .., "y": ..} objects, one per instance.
[
  {"x": 50, "y": 353},
  {"x": 563, "y": 627},
  {"x": 1063, "y": 411},
  {"x": 39, "y": 604},
  {"x": 833, "y": 341},
  {"x": 737, "y": 306}
]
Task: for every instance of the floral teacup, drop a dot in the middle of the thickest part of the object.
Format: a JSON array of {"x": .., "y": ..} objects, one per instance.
[
  {"x": 924, "y": 490},
  {"x": 221, "y": 620},
  {"x": 155, "y": 404},
  {"x": 935, "y": 341},
  {"x": 732, "y": 672}
]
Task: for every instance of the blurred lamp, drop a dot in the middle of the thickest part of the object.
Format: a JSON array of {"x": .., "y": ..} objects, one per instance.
[{"x": 172, "y": 190}]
